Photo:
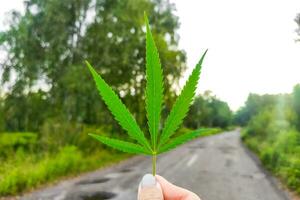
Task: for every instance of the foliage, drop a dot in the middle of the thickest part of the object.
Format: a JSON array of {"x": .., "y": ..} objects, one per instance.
[
  {"x": 253, "y": 105},
  {"x": 74, "y": 134},
  {"x": 25, "y": 172},
  {"x": 47, "y": 44},
  {"x": 297, "y": 20},
  {"x": 1, "y": 116},
  {"x": 296, "y": 104},
  {"x": 208, "y": 111},
  {"x": 23, "y": 112},
  {"x": 154, "y": 90},
  {"x": 272, "y": 134},
  {"x": 14, "y": 142}
]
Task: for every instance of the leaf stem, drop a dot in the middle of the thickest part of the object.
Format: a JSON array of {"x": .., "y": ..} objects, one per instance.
[{"x": 154, "y": 163}]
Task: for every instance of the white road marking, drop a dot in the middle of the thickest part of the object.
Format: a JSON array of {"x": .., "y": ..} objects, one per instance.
[{"x": 192, "y": 160}]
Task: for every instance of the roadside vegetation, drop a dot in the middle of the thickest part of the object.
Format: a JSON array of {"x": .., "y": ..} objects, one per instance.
[
  {"x": 48, "y": 103},
  {"x": 272, "y": 131},
  {"x": 29, "y": 159},
  {"x": 26, "y": 163}
]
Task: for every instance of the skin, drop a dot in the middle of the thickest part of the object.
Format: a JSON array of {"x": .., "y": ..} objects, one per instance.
[
  {"x": 173, "y": 192},
  {"x": 164, "y": 190}
]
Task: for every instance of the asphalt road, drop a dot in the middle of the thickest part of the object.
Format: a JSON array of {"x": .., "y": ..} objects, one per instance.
[{"x": 218, "y": 167}]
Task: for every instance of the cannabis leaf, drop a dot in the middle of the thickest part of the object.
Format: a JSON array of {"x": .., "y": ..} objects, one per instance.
[
  {"x": 154, "y": 87},
  {"x": 118, "y": 109},
  {"x": 121, "y": 145},
  {"x": 182, "y": 104},
  {"x": 184, "y": 138},
  {"x": 159, "y": 143}
]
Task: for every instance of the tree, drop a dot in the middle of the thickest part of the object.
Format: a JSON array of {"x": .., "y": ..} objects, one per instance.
[
  {"x": 1, "y": 115},
  {"x": 297, "y": 20},
  {"x": 296, "y": 104},
  {"x": 208, "y": 111},
  {"x": 25, "y": 112},
  {"x": 253, "y": 105},
  {"x": 198, "y": 113},
  {"x": 51, "y": 40},
  {"x": 221, "y": 114}
]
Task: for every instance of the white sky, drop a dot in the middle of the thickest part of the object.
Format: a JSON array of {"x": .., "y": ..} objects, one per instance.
[
  {"x": 6, "y": 6},
  {"x": 251, "y": 44}
]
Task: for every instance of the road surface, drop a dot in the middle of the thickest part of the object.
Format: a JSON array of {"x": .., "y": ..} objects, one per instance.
[{"x": 216, "y": 168}]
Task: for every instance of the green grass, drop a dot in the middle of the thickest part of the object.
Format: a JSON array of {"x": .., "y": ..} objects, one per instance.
[{"x": 29, "y": 171}]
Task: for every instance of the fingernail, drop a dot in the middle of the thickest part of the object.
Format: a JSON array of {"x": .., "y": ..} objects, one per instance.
[{"x": 148, "y": 180}]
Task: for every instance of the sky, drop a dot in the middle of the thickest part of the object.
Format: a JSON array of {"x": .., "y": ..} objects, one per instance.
[
  {"x": 7, "y": 6},
  {"x": 251, "y": 45}
]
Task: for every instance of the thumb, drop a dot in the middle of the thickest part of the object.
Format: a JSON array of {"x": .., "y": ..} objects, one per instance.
[{"x": 149, "y": 189}]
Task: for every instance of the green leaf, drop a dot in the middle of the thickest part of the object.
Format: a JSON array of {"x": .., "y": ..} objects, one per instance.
[
  {"x": 154, "y": 87},
  {"x": 118, "y": 109},
  {"x": 121, "y": 145},
  {"x": 182, "y": 104},
  {"x": 183, "y": 138}
]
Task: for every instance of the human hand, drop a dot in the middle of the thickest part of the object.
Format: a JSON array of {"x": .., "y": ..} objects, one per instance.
[{"x": 158, "y": 188}]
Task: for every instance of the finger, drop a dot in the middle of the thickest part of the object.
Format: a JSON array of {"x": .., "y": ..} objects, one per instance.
[
  {"x": 149, "y": 189},
  {"x": 173, "y": 192}
]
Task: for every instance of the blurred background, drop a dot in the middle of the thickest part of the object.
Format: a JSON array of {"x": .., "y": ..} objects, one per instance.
[{"x": 48, "y": 101}]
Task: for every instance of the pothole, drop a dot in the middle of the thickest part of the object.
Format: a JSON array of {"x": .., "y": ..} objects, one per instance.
[
  {"x": 228, "y": 163},
  {"x": 125, "y": 170},
  {"x": 101, "y": 195},
  {"x": 226, "y": 149},
  {"x": 199, "y": 146},
  {"x": 92, "y": 181},
  {"x": 246, "y": 175},
  {"x": 257, "y": 175}
]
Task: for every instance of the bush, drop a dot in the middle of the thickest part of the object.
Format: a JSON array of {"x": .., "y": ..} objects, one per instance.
[
  {"x": 16, "y": 142},
  {"x": 30, "y": 173},
  {"x": 31, "y": 159},
  {"x": 69, "y": 133},
  {"x": 277, "y": 144}
]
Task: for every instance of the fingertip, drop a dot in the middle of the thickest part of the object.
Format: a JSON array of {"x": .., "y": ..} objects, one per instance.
[
  {"x": 149, "y": 188},
  {"x": 148, "y": 180}
]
